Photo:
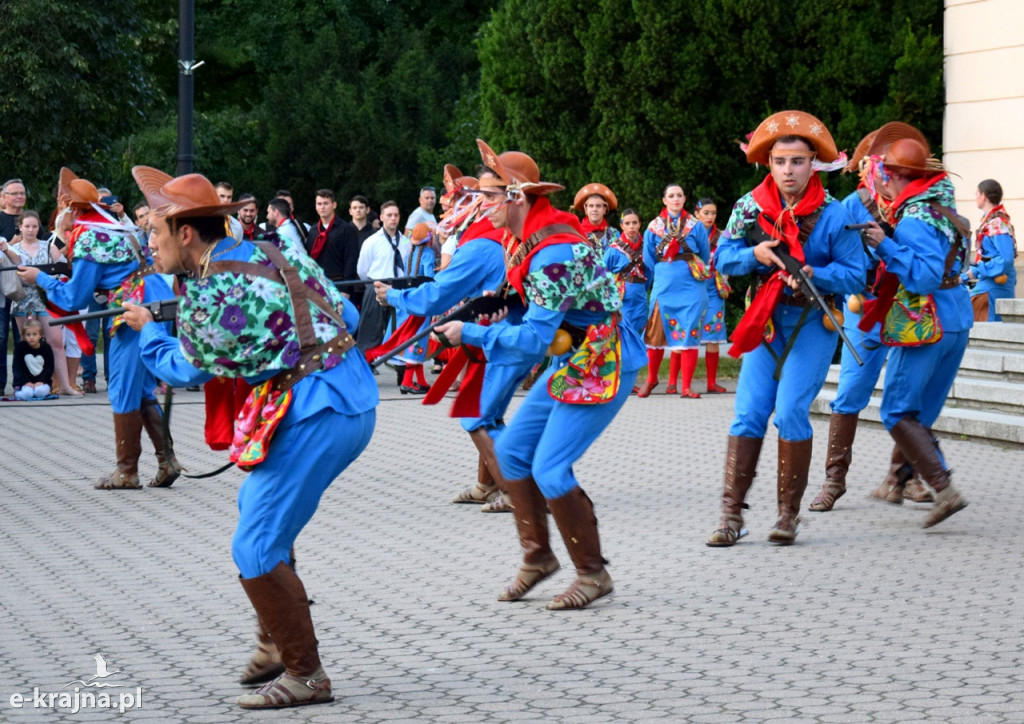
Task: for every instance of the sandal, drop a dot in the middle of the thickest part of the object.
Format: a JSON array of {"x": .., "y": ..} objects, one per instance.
[
  {"x": 287, "y": 690},
  {"x": 71, "y": 392},
  {"x": 477, "y": 494},
  {"x": 265, "y": 665},
  {"x": 647, "y": 389},
  {"x": 672, "y": 390},
  {"x": 498, "y": 504},
  {"x": 528, "y": 576},
  {"x": 119, "y": 481},
  {"x": 716, "y": 390},
  {"x": 730, "y": 530},
  {"x": 689, "y": 394},
  {"x": 582, "y": 592},
  {"x": 831, "y": 491}
]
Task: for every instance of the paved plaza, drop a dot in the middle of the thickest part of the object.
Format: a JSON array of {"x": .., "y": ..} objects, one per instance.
[{"x": 868, "y": 618}]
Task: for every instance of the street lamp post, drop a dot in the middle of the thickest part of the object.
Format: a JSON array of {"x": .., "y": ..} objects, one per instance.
[{"x": 186, "y": 64}]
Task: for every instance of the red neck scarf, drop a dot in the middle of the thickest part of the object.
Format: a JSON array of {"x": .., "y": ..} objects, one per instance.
[
  {"x": 673, "y": 247},
  {"x": 321, "y": 237},
  {"x": 779, "y": 222},
  {"x": 249, "y": 234},
  {"x": 589, "y": 228},
  {"x": 541, "y": 214},
  {"x": 914, "y": 188},
  {"x": 887, "y": 284},
  {"x": 480, "y": 229}
]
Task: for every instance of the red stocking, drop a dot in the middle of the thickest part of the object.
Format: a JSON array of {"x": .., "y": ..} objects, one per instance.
[
  {"x": 654, "y": 358},
  {"x": 407, "y": 378},
  {"x": 689, "y": 365},
  {"x": 711, "y": 362},
  {"x": 673, "y": 369},
  {"x": 420, "y": 379}
]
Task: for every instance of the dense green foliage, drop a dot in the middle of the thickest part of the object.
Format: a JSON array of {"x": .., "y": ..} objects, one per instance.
[{"x": 373, "y": 96}]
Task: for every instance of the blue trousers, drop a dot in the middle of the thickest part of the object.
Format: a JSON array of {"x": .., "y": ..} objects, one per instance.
[
  {"x": 856, "y": 382},
  {"x": 280, "y": 496},
  {"x": 130, "y": 382},
  {"x": 758, "y": 395},
  {"x": 546, "y": 437},
  {"x": 918, "y": 379},
  {"x": 500, "y": 384}
]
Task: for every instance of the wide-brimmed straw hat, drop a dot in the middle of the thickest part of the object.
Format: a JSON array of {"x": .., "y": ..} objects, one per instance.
[
  {"x": 595, "y": 189},
  {"x": 790, "y": 123},
  {"x": 904, "y": 149},
  {"x": 188, "y": 196},
  {"x": 81, "y": 194},
  {"x": 515, "y": 170},
  {"x": 860, "y": 152}
]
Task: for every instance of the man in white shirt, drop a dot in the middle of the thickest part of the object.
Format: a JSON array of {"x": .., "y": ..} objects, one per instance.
[
  {"x": 424, "y": 214},
  {"x": 226, "y": 193},
  {"x": 383, "y": 256}
]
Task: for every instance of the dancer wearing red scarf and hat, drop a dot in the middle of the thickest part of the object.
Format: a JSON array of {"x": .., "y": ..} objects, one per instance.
[
  {"x": 787, "y": 348},
  {"x": 106, "y": 256},
  {"x": 571, "y": 297},
  {"x": 924, "y": 309}
]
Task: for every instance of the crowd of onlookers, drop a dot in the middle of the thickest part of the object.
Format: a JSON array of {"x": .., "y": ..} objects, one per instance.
[{"x": 48, "y": 359}]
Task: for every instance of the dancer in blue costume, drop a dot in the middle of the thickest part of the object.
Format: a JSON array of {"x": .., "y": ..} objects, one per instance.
[
  {"x": 993, "y": 268},
  {"x": 787, "y": 347},
  {"x": 676, "y": 249},
  {"x": 251, "y": 310},
  {"x": 477, "y": 267},
  {"x": 624, "y": 257},
  {"x": 923, "y": 262},
  {"x": 421, "y": 263},
  {"x": 559, "y": 273},
  {"x": 594, "y": 202},
  {"x": 857, "y": 381},
  {"x": 105, "y": 256},
  {"x": 714, "y": 332}
]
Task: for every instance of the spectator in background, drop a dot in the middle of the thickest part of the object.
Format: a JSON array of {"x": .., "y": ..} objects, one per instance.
[
  {"x": 33, "y": 362},
  {"x": 226, "y": 193},
  {"x": 287, "y": 196},
  {"x": 33, "y": 251},
  {"x": 424, "y": 214},
  {"x": 333, "y": 242},
  {"x": 141, "y": 212},
  {"x": 383, "y": 256},
  {"x": 247, "y": 217},
  {"x": 281, "y": 227},
  {"x": 359, "y": 211},
  {"x": 12, "y": 199}
]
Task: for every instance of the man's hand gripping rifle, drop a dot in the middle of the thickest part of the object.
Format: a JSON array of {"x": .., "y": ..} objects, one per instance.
[
  {"x": 796, "y": 270},
  {"x": 469, "y": 311}
]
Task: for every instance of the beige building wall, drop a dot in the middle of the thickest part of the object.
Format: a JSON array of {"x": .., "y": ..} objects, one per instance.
[{"x": 983, "y": 130}]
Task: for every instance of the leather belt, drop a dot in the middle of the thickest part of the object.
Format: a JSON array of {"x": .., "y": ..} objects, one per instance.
[{"x": 314, "y": 360}]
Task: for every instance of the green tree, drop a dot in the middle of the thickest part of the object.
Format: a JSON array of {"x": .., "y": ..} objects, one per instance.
[{"x": 76, "y": 81}]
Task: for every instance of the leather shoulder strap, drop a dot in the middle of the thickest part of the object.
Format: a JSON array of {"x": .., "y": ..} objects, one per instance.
[
  {"x": 870, "y": 204},
  {"x": 540, "y": 235}
]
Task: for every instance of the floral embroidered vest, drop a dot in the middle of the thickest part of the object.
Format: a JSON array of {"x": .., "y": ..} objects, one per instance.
[
  {"x": 241, "y": 325},
  {"x": 581, "y": 284}
]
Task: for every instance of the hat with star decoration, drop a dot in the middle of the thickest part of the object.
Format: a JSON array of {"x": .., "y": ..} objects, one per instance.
[{"x": 791, "y": 123}]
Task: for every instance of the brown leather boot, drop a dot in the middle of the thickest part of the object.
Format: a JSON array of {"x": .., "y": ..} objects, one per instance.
[
  {"x": 922, "y": 452},
  {"x": 841, "y": 431},
  {"x": 892, "y": 488},
  {"x": 916, "y": 491},
  {"x": 282, "y": 605},
  {"x": 794, "y": 466},
  {"x": 740, "y": 468},
  {"x": 500, "y": 503},
  {"x": 265, "y": 663},
  {"x": 486, "y": 488},
  {"x": 128, "y": 441},
  {"x": 168, "y": 467},
  {"x": 574, "y": 514},
  {"x": 531, "y": 513}
]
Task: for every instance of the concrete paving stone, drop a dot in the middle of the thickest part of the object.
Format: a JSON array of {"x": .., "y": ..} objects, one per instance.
[{"x": 763, "y": 619}]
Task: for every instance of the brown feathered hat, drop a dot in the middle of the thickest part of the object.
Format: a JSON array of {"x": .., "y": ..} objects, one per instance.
[{"x": 515, "y": 170}]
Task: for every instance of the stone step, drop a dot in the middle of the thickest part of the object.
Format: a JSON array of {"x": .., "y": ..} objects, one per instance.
[
  {"x": 1011, "y": 310},
  {"x": 998, "y": 335},
  {"x": 969, "y": 391},
  {"x": 995, "y": 427}
]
